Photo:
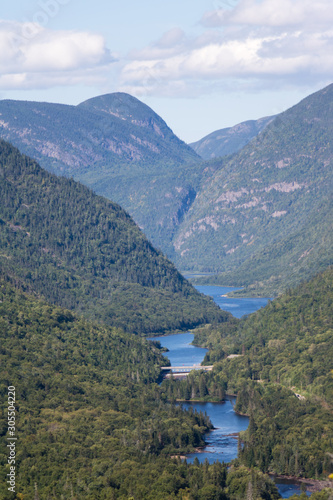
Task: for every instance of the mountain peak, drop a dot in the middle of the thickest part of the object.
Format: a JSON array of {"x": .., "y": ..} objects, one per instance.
[
  {"x": 229, "y": 140},
  {"x": 128, "y": 108}
]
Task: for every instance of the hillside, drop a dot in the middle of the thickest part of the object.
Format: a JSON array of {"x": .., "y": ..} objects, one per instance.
[
  {"x": 289, "y": 341},
  {"x": 283, "y": 350},
  {"x": 81, "y": 251},
  {"x": 79, "y": 389},
  {"x": 91, "y": 420},
  {"x": 229, "y": 140},
  {"x": 260, "y": 217},
  {"x": 112, "y": 130},
  {"x": 114, "y": 144},
  {"x": 264, "y": 216}
]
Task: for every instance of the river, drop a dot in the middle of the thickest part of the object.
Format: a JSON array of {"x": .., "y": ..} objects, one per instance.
[
  {"x": 222, "y": 441},
  {"x": 237, "y": 306}
]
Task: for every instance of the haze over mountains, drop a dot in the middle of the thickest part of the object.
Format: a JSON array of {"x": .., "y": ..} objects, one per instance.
[
  {"x": 259, "y": 217},
  {"x": 114, "y": 144},
  {"x": 229, "y": 140},
  {"x": 115, "y": 128},
  {"x": 78, "y": 278}
]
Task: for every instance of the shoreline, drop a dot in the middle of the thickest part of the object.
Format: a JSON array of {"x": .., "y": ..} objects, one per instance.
[
  {"x": 312, "y": 485},
  {"x": 198, "y": 401}
]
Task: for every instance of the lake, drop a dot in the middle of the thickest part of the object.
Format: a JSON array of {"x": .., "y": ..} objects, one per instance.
[{"x": 238, "y": 307}]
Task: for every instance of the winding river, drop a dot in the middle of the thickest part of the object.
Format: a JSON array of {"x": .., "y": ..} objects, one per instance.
[{"x": 222, "y": 441}]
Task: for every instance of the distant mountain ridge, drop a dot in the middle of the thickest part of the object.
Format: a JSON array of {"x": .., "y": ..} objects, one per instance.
[
  {"x": 229, "y": 140},
  {"x": 109, "y": 128},
  {"x": 259, "y": 217},
  {"x": 264, "y": 217},
  {"x": 129, "y": 109},
  {"x": 114, "y": 144}
]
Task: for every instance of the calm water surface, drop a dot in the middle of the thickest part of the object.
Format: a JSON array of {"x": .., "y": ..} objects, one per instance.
[
  {"x": 237, "y": 307},
  {"x": 221, "y": 442},
  {"x": 181, "y": 351}
]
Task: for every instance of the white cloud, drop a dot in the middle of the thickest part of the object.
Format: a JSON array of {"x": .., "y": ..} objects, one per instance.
[
  {"x": 32, "y": 56},
  {"x": 171, "y": 38},
  {"x": 257, "y": 43},
  {"x": 272, "y": 13},
  {"x": 170, "y": 43}
]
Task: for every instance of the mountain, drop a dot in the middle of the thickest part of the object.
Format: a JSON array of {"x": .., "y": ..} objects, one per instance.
[
  {"x": 229, "y": 140},
  {"x": 92, "y": 422},
  {"x": 114, "y": 144},
  {"x": 260, "y": 217},
  {"x": 263, "y": 217},
  {"x": 86, "y": 404},
  {"x": 84, "y": 252},
  {"x": 110, "y": 130}
]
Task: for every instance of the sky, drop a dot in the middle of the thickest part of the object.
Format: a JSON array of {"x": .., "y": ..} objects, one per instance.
[{"x": 201, "y": 65}]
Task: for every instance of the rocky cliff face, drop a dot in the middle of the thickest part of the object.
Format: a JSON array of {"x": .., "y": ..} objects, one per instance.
[
  {"x": 264, "y": 213},
  {"x": 114, "y": 144},
  {"x": 258, "y": 216},
  {"x": 101, "y": 133}
]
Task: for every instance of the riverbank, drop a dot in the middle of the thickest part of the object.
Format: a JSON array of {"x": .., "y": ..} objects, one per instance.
[
  {"x": 211, "y": 400},
  {"x": 312, "y": 485},
  {"x": 199, "y": 449},
  {"x": 231, "y": 299}
]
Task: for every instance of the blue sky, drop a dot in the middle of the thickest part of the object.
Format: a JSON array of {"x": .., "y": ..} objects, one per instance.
[{"x": 202, "y": 65}]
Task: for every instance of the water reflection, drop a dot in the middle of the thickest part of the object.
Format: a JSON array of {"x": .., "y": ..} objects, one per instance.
[
  {"x": 238, "y": 307},
  {"x": 181, "y": 351},
  {"x": 222, "y": 442}
]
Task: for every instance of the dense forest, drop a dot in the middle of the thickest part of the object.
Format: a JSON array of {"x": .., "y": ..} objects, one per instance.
[
  {"x": 77, "y": 279},
  {"x": 259, "y": 218},
  {"x": 92, "y": 423},
  {"x": 83, "y": 252},
  {"x": 114, "y": 144},
  {"x": 279, "y": 363}
]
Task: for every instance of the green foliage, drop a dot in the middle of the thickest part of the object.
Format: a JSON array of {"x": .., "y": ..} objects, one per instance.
[
  {"x": 91, "y": 421},
  {"x": 83, "y": 252},
  {"x": 250, "y": 484},
  {"x": 281, "y": 351},
  {"x": 104, "y": 134},
  {"x": 85, "y": 398},
  {"x": 285, "y": 435},
  {"x": 325, "y": 494},
  {"x": 198, "y": 385},
  {"x": 117, "y": 146},
  {"x": 260, "y": 217}
]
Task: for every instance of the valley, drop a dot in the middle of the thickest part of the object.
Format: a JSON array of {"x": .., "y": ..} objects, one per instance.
[
  {"x": 259, "y": 216},
  {"x": 101, "y": 204}
]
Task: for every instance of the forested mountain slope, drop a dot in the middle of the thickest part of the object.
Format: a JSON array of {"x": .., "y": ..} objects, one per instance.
[
  {"x": 83, "y": 252},
  {"x": 260, "y": 218},
  {"x": 91, "y": 421},
  {"x": 229, "y": 140},
  {"x": 283, "y": 350},
  {"x": 264, "y": 216},
  {"x": 114, "y": 144},
  {"x": 87, "y": 409},
  {"x": 110, "y": 130}
]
